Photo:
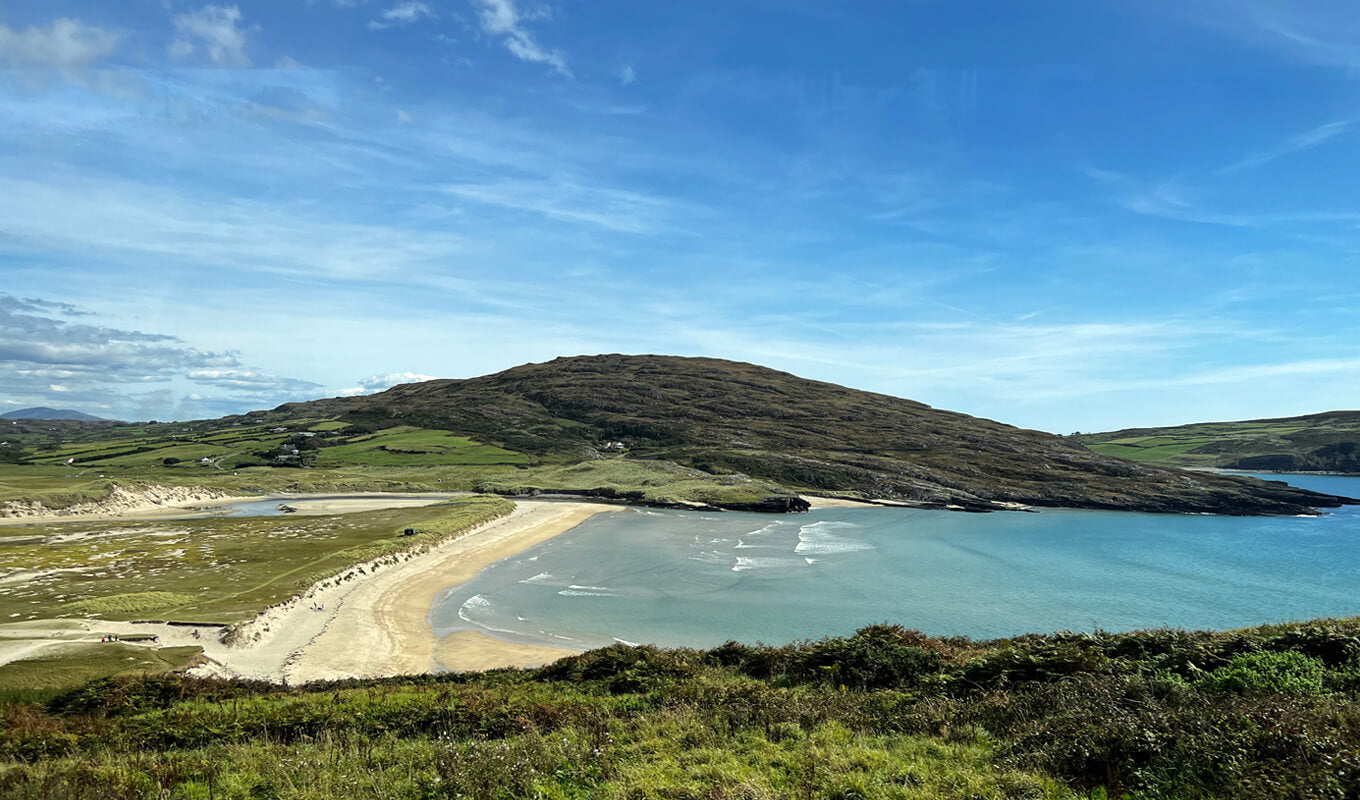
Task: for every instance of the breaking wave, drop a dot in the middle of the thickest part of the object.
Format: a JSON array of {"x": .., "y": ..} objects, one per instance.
[
  {"x": 477, "y": 610},
  {"x": 819, "y": 539}
]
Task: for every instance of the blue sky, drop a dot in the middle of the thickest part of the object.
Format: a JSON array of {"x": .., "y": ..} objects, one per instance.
[{"x": 1063, "y": 215}]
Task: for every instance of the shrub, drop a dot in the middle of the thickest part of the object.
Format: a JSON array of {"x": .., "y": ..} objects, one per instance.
[{"x": 1269, "y": 672}]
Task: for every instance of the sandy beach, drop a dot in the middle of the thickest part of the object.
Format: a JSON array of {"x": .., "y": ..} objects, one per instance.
[
  {"x": 373, "y": 625},
  {"x": 381, "y": 626},
  {"x": 816, "y": 501},
  {"x": 172, "y": 503}
]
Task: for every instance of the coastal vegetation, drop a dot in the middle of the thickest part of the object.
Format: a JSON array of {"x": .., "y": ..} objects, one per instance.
[
  {"x": 1328, "y": 442},
  {"x": 886, "y": 713},
  {"x": 221, "y": 570}
]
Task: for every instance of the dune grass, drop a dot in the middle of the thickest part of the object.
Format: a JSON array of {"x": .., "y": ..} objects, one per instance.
[
  {"x": 219, "y": 570},
  {"x": 67, "y": 666}
]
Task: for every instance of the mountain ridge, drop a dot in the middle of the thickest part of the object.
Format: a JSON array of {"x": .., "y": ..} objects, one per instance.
[{"x": 45, "y": 413}]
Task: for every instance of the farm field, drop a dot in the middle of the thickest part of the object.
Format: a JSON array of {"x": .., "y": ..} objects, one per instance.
[{"x": 1318, "y": 442}]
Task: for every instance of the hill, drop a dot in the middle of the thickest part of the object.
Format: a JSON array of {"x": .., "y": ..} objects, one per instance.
[
  {"x": 43, "y": 412},
  {"x": 722, "y": 417},
  {"x": 1326, "y": 442}
]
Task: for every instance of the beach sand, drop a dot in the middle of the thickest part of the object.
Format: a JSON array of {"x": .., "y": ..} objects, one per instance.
[
  {"x": 834, "y": 502},
  {"x": 382, "y": 626},
  {"x": 464, "y": 651},
  {"x": 374, "y": 625},
  {"x": 172, "y": 503}
]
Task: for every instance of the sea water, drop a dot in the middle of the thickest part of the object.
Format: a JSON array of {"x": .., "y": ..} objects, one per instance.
[{"x": 699, "y": 579}]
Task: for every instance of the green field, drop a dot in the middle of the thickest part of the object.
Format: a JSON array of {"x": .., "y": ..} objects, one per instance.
[
  {"x": 1326, "y": 442},
  {"x": 217, "y": 570},
  {"x": 653, "y": 481},
  {"x": 416, "y": 447}
]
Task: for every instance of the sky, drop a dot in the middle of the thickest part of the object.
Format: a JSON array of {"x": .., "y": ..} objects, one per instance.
[{"x": 1061, "y": 214}]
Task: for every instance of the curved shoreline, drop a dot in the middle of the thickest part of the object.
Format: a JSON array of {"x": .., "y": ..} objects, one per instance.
[
  {"x": 382, "y": 626},
  {"x": 373, "y": 623}
]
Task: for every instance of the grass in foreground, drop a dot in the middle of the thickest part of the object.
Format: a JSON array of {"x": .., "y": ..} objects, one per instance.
[{"x": 888, "y": 713}]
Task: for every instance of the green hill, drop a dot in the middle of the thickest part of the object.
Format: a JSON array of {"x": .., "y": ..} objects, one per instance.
[
  {"x": 723, "y": 417},
  {"x": 1327, "y": 442},
  {"x": 648, "y": 429}
]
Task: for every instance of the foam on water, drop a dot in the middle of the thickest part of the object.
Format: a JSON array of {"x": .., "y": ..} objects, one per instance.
[
  {"x": 476, "y": 609},
  {"x": 579, "y": 593},
  {"x": 819, "y": 539},
  {"x": 542, "y": 577},
  {"x": 745, "y": 563},
  {"x": 709, "y": 557}
]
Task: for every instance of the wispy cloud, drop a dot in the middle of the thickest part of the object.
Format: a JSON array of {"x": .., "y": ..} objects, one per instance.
[
  {"x": 214, "y": 33},
  {"x": 64, "y": 44},
  {"x": 611, "y": 209},
  {"x": 1294, "y": 144},
  {"x": 402, "y": 14},
  {"x": 252, "y": 379},
  {"x": 1177, "y": 200},
  {"x": 1321, "y": 32},
  {"x": 502, "y": 18}
]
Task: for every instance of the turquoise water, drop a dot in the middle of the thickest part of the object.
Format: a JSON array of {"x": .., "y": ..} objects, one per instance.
[{"x": 684, "y": 578}]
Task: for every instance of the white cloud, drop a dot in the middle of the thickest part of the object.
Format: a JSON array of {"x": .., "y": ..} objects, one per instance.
[
  {"x": 65, "y": 44},
  {"x": 43, "y": 357},
  {"x": 402, "y": 14},
  {"x": 502, "y": 18},
  {"x": 214, "y": 32},
  {"x": 378, "y": 383},
  {"x": 627, "y": 75}
]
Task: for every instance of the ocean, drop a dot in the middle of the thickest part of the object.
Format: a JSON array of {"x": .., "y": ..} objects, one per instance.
[{"x": 679, "y": 578}]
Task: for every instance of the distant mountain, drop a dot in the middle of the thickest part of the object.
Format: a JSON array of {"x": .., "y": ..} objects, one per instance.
[
  {"x": 42, "y": 412},
  {"x": 1326, "y": 442},
  {"x": 725, "y": 417}
]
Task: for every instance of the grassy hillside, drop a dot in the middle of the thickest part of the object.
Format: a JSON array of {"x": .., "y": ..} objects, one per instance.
[
  {"x": 1328, "y": 442},
  {"x": 888, "y": 713},
  {"x": 740, "y": 436},
  {"x": 722, "y": 416}
]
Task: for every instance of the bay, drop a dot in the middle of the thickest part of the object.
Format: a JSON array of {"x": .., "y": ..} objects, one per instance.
[{"x": 679, "y": 578}]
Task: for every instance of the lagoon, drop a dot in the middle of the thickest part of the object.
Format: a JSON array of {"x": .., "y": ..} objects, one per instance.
[{"x": 678, "y": 578}]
